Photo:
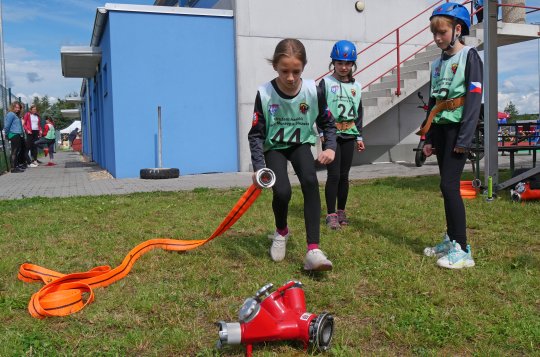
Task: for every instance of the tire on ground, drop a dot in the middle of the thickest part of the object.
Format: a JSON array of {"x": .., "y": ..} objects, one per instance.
[{"x": 159, "y": 173}]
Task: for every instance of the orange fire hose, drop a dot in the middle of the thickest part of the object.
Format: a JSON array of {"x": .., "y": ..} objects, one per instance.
[{"x": 63, "y": 294}]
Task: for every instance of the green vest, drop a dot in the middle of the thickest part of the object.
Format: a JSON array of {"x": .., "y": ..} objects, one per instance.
[
  {"x": 289, "y": 122},
  {"x": 51, "y": 134},
  {"x": 448, "y": 82},
  {"x": 343, "y": 100}
]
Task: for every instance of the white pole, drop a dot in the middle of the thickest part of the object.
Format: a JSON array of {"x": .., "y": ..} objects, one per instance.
[{"x": 3, "y": 80}]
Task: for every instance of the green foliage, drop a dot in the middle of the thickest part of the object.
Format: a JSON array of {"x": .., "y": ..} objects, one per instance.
[
  {"x": 387, "y": 298},
  {"x": 45, "y": 108},
  {"x": 511, "y": 109}
]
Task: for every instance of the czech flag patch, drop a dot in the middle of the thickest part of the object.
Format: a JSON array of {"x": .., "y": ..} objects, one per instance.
[{"x": 476, "y": 87}]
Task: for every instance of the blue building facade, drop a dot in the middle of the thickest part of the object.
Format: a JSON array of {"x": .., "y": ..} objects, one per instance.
[{"x": 149, "y": 58}]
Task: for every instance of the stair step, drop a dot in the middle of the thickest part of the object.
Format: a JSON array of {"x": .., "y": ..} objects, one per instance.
[
  {"x": 427, "y": 59},
  {"x": 377, "y": 93},
  {"x": 393, "y": 77},
  {"x": 369, "y": 102},
  {"x": 386, "y": 85},
  {"x": 425, "y": 54},
  {"x": 433, "y": 47},
  {"x": 416, "y": 67}
]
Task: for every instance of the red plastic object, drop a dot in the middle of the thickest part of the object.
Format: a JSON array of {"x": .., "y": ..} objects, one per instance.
[{"x": 280, "y": 315}]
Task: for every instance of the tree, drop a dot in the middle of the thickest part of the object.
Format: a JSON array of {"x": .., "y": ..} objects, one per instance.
[
  {"x": 511, "y": 109},
  {"x": 45, "y": 108}
]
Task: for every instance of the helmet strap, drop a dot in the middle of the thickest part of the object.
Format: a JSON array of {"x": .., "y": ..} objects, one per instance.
[{"x": 454, "y": 36}]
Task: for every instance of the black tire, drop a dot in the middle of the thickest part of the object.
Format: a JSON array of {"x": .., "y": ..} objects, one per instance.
[
  {"x": 159, "y": 173},
  {"x": 420, "y": 157}
]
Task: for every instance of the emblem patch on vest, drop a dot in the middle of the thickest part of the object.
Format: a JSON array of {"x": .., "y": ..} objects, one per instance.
[
  {"x": 304, "y": 108},
  {"x": 454, "y": 67},
  {"x": 272, "y": 108},
  {"x": 334, "y": 89},
  {"x": 353, "y": 92}
]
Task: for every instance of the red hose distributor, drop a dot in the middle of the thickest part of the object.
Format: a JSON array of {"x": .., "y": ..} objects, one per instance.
[{"x": 275, "y": 316}]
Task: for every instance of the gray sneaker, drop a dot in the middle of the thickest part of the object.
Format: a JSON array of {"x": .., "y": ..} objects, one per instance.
[
  {"x": 316, "y": 261},
  {"x": 440, "y": 249},
  {"x": 332, "y": 221},
  {"x": 279, "y": 246}
]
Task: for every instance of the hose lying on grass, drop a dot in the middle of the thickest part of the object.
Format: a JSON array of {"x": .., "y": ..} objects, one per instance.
[{"x": 63, "y": 293}]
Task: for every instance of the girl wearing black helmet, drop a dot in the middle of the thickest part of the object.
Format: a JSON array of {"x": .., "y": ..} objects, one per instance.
[
  {"x": 454, "y": 108},
  {"x": 343, "y": 95}
]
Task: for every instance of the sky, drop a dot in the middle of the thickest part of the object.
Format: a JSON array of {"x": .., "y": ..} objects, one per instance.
[{"x": 35, "y": 30}]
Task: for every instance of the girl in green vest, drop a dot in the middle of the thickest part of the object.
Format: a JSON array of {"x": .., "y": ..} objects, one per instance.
[
  {"x": 343, "y": 96},
  {"x": 454, "y": 103},
  {"x": 48, "y": 140},
  {"x": 286, "y": 110}
]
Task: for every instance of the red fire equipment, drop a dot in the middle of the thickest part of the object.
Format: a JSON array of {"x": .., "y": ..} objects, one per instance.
[
  {"x": 524, "y": 192},
  {"x": 275, "y": 316}
]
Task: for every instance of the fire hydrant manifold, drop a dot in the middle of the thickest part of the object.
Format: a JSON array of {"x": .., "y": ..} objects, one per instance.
[{"x": 275, "y": 316}]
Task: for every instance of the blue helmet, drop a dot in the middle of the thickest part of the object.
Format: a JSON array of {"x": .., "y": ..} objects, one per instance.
[
  {"x": 343, "y": 51},
  {"x": 455, "y": 11}
]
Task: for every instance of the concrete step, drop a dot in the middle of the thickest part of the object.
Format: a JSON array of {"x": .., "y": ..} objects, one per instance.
[
  {"x": 377, "y": 93},
  {"x": 427, "y": 59},
  {"x": 413, "y": 68},
  {"x": 386, "y": 85},
  {"x": 369, "y": 102},
  {"x": 393, "y": 77},
  {"x": 426, "y": 53}
]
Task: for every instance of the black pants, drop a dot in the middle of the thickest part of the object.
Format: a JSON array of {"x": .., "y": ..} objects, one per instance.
[
  {"x": 30, "y": 140},
  {"x": 24, "y": 158},
  {"x": 451, "y": 166},
  {"x": 337, "y": 182},
  {"x": 302, "y": 161},
  {"x": 15, "y": 143}
]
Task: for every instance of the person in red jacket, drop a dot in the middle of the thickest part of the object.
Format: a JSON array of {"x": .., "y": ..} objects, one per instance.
[{"x": 32, "y": 128}]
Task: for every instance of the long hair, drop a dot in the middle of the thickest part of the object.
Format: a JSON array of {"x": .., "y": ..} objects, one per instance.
[
  {"x": 289, "y": 47},
  {"x": 12, "y": 106}
]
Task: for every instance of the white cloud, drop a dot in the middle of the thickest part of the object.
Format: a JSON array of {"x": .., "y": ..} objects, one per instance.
[{"x": 31, "y": 77}]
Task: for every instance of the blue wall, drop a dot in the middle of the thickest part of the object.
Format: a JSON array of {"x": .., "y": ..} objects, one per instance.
[{"x": 186, "y": 65}]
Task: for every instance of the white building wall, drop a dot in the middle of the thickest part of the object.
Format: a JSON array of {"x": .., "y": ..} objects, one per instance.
[{"x": 260, "y": 25}]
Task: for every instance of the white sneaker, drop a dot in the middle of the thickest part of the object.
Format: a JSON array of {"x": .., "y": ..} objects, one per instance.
[
  {"x": 440, "y": 249},
  {"x": 279, "y": 246},
  {"x": 457, "y": 258},
  {"x": 33, "y": 165},
  {"x": 316, "y": 261}
]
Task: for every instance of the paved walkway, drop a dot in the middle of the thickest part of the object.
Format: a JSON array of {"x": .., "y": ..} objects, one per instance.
[{"x": 74, "y": 177}]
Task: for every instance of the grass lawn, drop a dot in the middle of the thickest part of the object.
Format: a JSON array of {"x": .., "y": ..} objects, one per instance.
[{"x": 386, "y": 297}]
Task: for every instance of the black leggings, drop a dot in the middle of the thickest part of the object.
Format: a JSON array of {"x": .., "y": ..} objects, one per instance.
[
  {"x": 337, "y": 182},
  {"x": 15, "y": 143},
  {"x": 451, "y": 166},
  {"x": 304, "y": 165},
  {"x": 30, "y": 140}
]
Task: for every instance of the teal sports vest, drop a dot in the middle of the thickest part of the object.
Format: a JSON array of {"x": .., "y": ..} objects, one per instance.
[
  {"x": 289, "y": 122},
  {"x": 448, "y": 82},
  {"x": 343, "y": 100}
]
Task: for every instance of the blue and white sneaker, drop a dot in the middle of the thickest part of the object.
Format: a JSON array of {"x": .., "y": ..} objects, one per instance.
[
  {"x": 440, "y": 249},
  {"x": 457, "y": 258}
]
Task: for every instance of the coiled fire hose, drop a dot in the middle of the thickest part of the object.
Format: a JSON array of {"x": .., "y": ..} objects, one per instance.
[{"x": 63, "y": 293}]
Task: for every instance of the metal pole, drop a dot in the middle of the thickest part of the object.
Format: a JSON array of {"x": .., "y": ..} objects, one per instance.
[
  {"x": 160, "y": 163},
  {"x": 491, "y": 168}
]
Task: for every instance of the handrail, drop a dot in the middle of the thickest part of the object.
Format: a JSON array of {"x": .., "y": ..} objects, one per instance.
[{"x": 397, "y": 48}]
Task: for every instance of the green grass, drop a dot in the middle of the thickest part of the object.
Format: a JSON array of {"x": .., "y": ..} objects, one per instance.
[{"x": 386, "y": 297}]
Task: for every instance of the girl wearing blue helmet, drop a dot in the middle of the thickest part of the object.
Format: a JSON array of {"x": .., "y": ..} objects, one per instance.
[
  {"x": 454, "y": 109},
  {"x": 343, "y": 96}
]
